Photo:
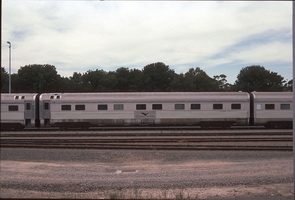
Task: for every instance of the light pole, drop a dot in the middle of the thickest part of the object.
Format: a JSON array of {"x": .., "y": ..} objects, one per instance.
[{"x": 9, "y": 87}]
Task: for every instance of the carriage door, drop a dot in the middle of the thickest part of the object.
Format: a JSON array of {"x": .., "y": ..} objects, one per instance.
[
  {"x": 46, "y": 112},
  {"x": 29, "y": 113}
]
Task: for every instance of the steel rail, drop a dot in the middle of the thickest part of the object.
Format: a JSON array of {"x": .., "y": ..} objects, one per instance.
[
  {"x": 155, "y": 147},
  {"x": 147, "y": 133},
  {"x": 159, "y": 140}
]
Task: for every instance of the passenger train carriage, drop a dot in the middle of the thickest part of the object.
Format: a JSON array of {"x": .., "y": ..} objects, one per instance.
[
  {"x": 120, "y": 109},
  {"x": 205, "y": 109},
  {"x": 273, "y": 109},
  {"x": 18, "y": 110}
]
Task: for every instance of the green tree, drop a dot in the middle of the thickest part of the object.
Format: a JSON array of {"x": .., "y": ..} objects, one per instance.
[
  {"x": 178, "y": 83},
  {"x": 37, "y": 78},
  {"x": 157, "y": 77},
  {"x": 196, "y": 80},
  {"x": 76, "y": 83},
  {"x": 95, "y": 81},
  {"x": 136, "y": 80},
  {"x": 288, "y": 86},
  {"x": 257, "y": 78},
  {"x": 122, "y": 80},
  {"x": 111, "y": 83},
  {"x": 4, "y": 80},
  {"x": 223, "y": 84}
]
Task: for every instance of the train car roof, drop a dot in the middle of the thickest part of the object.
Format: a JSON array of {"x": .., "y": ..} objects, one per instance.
[
  {"x": 18, "y": 96},
  {"x": 273, "y": 96},
  {"x": 146, "y": 96}
]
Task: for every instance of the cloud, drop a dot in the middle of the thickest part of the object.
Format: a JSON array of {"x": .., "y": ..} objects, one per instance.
[
  {"x": 268, "y": 46},
  {"x": 81, "y": 35},
  {"x": 270, "y": 52}
]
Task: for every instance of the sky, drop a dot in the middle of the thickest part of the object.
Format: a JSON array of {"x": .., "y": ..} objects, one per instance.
[{"x": 220, "y": 37}]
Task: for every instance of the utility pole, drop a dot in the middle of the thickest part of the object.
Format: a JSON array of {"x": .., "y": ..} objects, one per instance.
[{"x": 9, "y": 87}]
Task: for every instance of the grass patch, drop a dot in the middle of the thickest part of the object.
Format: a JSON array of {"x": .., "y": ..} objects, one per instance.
[{"x": 137, "y": 193}]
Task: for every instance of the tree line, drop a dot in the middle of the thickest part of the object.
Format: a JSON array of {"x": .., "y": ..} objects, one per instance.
[{"x": 155, "y": 77}]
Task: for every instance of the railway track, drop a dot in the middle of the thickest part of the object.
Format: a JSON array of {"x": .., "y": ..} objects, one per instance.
[
  {"x": 250, "y": 140},
  {"x": 155, "y": 132}
]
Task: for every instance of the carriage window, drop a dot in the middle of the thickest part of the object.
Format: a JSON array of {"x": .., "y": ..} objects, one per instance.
[
  {"x": 285, "y": 107},
  {"x": 269, "y": 106},
  {"x": 118, "y": 106},
  {"x": 157, "y": 106},
  {"x": 19, "y": 97},
  {"x": 217, "y": 106},
  {"x": 236, "y": 106},
  {"x": 79, "y": 107},
  {"x": 55, "y": 96},
  {"x": 140, "y": 106},
  {"x": 179, "y": 106},
  {"x": 46, "y": 106},
  {"x": 102, "y": 107},
  {"x": 12, "y": 108},
  {"x": 195, "y": 106},
  {"x": 28, "y": 106},
  {"x": 66, "y": 107}
]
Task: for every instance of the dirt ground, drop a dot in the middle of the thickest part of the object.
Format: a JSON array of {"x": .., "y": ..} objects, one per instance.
[
  {"x": 142, "y": 175},
  {"x": 237, "y": 192}
]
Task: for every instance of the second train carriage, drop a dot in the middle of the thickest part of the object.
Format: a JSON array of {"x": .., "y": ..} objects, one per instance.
[
  {"x": 207, "y": 109},
  {"x": 272, "y": 109}
]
